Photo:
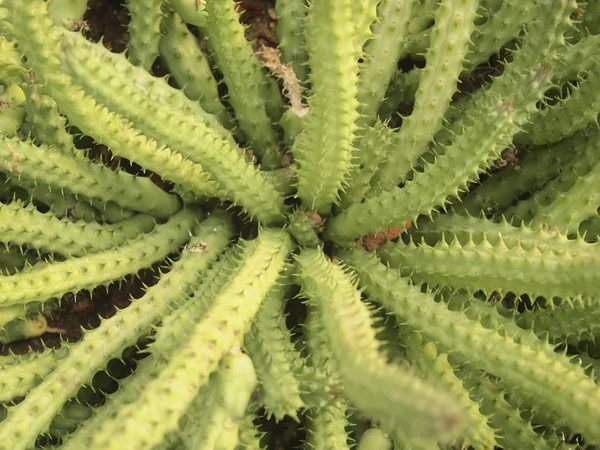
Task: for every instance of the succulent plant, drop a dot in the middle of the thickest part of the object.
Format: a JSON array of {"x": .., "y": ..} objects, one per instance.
[{"x": 393, "y": 258}]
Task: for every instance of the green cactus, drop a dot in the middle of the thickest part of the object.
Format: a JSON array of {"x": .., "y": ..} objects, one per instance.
[{"x": 486, "y": 261}]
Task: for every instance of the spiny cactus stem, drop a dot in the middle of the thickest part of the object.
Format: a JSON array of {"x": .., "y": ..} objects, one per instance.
[{"x": 111, "y": 338}]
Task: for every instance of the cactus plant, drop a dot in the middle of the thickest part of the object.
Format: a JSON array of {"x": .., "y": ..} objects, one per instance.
[{"x": 385, "y": 279}]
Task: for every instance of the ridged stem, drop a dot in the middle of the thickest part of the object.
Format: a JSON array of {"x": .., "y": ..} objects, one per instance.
[
  {"x": 513, "y": 430},
  {"x": 110, "y": 339},
  {"x": 571, "y": 320},
  {"x": 219, "y": 412},
  {"x": 198, "y": 137},
  {"x": 144, "y": 31},
  {"x": 270, "y": 346},
  {"x": 536, "y": 167},
  {"x": 569, "y": 199},
  {"x": 569, "y": 115},
  {"x": 428, "y": 361},
  {"x": 18, "y": 379},
  {"x": 33, "y": 29},
  {"x": 190, "y": 367},
  {"x": 503, "y": 265},
  {"x": 174, "y": 329},
  {"x": 381, "y": 390},
  {"x": 190, "y": 67},
  {"x": 536, "y": 371},
  {"x": 291, "y": 17},
  {"x": 450, "y": 37},
  {"x": 323, "y": 151},
  {"x": 382, "y": 54},
  {"x": 497, "y": 31},
  {"x": 23, "y": 159},
  {"x": 29, "y": 228},
  {"x": 87, "y": 272},
  {"x": 244, "y": 77},
  {"x": 488, "y": 128}
]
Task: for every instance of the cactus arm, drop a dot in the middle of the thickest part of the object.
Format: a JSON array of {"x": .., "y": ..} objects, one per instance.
[
  {"x": 33, "y": 163},
  {"x": 44, "y": 121},
  {"x": 367, "y": 377},
  {"x": 420, "y": 28},
  {"x": 70, "y": 416},
  {"x": 83, "y": 59},
  {"x": 325, "y": 427},
  {"x": 371, "y": 149},
  {"x": 574, "y": 61},
  {"x": 578, "y": 58},
  {"x": 323, "y": 151},
  {"x": 382, "y": 54},
  {"x": 402, "y": 89},
  {"x": 269, "y": 345},
  {"x": 499, "y": 29},
  {"x": 144, "y": 31},
  {"x": 190, "y": 67},
  {"x": 495, "y": 265},
  {"x": 513, "y": 430},
  {"x": 111, "y": 212},
  {"x": 34, "y": 30},
  {"x": 291, "y": 16},
  {"x": 129, "y": 390},
  {"x": 205, "y": 418},
  {"x": 223, "y": 408},
  {"x": 87, "y": 272},
  {"x": 326, "y": 420},
  {"x": 496, "y": 351},
  {"x": 320, "y": 383},
  {"x": 61, "y": 204},
  {"x": 191, "y": 11},
  {"x": 488, "y": 128},
  {"x": 364, "y": 15},
  {"x": 568, "y": 116},
  {"x": 16, "y": 380},
  {"x": 502, "y": 26},
  {"x": 145, "y": 84},
  {"x": 25, "y": 226},
  {"x": 169, "y": 335},
  {"x": 112, "y": 337},
  {"x": 577, "y": 320},
  {"x": 189, "y": 368},
  {"x": 431, "y": 363},
  {"x": 244, "y": 78},
  {"x": 571, "y": 197},
  {"x": 179, "y": 325},
  {"x": 450, "y": 37},
  {"x": 480, "y": 230},
  {"x": 183, "y": 132},
  {"x": 536, "y": 168},
  {"x": 249, "y": 436}
]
